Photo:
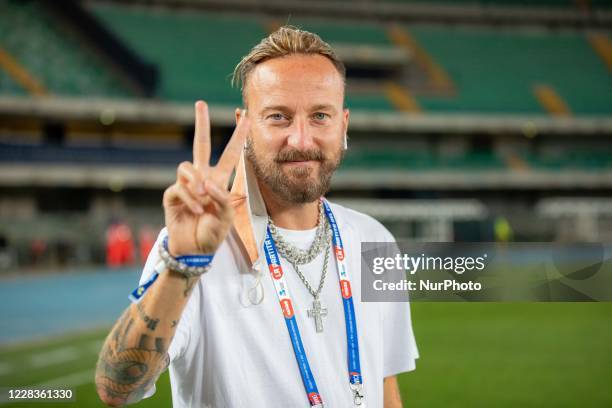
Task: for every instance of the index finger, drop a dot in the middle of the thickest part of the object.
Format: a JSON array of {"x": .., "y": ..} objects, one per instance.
[
  {"x": 201, "y": 138},
  {"x": 231, "y": 154}
]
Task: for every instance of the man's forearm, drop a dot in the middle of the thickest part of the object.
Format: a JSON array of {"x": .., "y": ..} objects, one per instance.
[
  {"x": 392, "y": 397},
  {"x": 135, "y": 352}
]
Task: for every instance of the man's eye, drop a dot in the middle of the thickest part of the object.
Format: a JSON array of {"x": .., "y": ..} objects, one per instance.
[
  {"x": 320, "y": 116},
  {"x": 276, "y": 116}
]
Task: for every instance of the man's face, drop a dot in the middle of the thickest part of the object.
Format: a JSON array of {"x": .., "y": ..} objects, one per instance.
[{"x": 295, "y": 107}]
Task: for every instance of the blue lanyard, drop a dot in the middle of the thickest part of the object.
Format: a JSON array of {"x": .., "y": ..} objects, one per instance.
[{"x": 286, "y": 304}]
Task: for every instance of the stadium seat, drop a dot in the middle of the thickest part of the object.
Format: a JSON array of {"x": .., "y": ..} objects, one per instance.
[
  {"x": 496, "y": 70},
  {"x": 57, "y": 58}
]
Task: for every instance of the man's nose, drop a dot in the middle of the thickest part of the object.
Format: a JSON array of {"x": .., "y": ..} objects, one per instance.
[{"x": 301, "y": 136}]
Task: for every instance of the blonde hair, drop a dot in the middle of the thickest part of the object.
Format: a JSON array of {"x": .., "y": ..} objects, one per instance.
[{"x": 285, "y": 41}]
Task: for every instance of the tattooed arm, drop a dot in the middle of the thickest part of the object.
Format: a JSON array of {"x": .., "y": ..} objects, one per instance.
[
  {"x": 198, "y": 217},
  {"x": 135, "y": 352}
]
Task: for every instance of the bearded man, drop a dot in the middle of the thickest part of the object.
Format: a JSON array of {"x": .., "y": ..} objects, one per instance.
[{"x": 252, "y": 297}]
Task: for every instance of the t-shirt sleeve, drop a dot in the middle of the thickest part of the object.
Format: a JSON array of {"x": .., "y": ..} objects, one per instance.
[
  {"x": 400, "y": 349},
  {"x": 152, "y": 259},
  {"x": 182, "y": 335}
]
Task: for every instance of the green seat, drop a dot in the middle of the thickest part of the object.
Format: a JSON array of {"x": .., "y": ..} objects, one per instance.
[
  {"x": 401, "y": 159},
  {"x": 495, "y": 70},
  {"x": 585, "y": 160},
  {"x": 362, "y": 33},
  {"x": 195, "y": 51},
  {"x": 500, "y": 3},
  {"x": 8, "y": 85},
  {"x": 52, "y": 55}
]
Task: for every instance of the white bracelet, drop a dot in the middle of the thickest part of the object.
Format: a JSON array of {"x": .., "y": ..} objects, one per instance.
[{"x": 177, "y": 266}]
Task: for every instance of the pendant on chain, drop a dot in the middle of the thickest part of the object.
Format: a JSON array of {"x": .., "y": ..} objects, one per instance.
[{"x": 317, "y": 313}]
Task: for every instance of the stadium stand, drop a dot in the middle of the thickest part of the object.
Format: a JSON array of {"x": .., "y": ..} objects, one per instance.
[
  {"x": 443, "y": 106},
  {"x": 10, "y": 86},
  {"x": 403, "y": 160},
  {"x": 345, "y": 32},
  {"x": 90, "y": 155},
  {"x": 516, "y": 3},
  {"x": 180, "y": 43},
  {"x": 186, "y": 77},
  {"x": 492, "y": 70},
  {"x": 593, "y": 160},
  {"x": 52, "y": 55},
  {"x": 524, "y": 4},
  {"x": 496, "y": 70}
]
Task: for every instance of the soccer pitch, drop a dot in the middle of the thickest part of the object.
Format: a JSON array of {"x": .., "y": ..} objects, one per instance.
[
  {"x": 472, "y": 355},
  {"x": 64, "y": 362}
]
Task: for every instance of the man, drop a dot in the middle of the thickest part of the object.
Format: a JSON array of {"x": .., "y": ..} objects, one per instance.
[{"x": 273, "y": 320}]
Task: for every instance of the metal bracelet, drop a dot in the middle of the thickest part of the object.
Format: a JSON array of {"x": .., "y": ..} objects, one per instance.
[{"x": 179, "y": 267}]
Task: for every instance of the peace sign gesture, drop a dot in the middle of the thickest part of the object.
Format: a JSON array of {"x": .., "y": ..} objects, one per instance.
[{"x": 197, "y": 207}]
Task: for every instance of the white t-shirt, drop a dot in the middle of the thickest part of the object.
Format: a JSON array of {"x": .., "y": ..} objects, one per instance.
[{"x": 229, "y": 352}]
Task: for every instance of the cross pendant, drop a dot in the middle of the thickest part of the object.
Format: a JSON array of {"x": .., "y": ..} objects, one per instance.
[{"x": 317, "y": 312}]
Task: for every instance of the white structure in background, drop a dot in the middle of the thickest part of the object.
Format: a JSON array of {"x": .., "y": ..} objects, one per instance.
[
  {"x": 437, "y": 217},
  {"x": 579, "y": 219}
]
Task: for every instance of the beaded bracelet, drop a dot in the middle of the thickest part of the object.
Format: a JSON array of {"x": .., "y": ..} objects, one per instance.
[{"x": 187, "y": 265}]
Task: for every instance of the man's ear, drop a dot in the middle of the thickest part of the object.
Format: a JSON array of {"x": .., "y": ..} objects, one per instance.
[
  {"x": 238, "y": 113},
  {"x": 345, "y": 119}
]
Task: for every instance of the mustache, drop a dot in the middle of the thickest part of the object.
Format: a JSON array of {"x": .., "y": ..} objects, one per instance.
[{"x": 299, "y": 155}]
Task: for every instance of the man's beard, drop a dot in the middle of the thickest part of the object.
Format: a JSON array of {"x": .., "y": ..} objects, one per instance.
[{"x": 295, "y": 185}]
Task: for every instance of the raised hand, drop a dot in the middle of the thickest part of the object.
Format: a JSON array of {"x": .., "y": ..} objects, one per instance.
[{"x": 197, "y": 207}]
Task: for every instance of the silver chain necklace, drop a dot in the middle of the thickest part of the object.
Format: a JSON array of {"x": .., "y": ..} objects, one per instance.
[{"x": 296, "y": 256}]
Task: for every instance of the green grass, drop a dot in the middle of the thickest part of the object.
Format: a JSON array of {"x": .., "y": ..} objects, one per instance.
[
  {"x": 76, "y": 373},
  {"x": 511, "y": 355},
  {"x": 472, "y": 355}
]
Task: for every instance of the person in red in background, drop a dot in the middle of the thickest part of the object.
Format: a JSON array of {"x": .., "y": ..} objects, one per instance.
[
  {"x": 38, "y": 248},
  {"x": 119, "y": 245},
  {"x": 146, "y": 240}
]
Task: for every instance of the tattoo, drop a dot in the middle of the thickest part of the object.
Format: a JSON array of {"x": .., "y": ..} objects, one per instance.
[
  {"x": 151, "y": 323},
  {"x": 125, "y": 370},
  {"x": 159, "y": 345},
  {"x": 189, "y": 284}
]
